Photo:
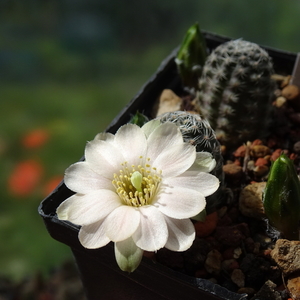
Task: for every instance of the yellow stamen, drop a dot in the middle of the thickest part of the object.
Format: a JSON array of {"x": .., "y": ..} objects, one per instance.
[{"x": 137, "y": 188}]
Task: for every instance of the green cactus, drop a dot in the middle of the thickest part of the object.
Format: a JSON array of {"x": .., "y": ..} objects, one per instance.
[
  {"x": 191, "y": 57},
  {"x": 139, "y": 119},
  {"x": 198, "y": 132},
  {"x": 281, "y": 198},
  {"x": 235, "y": 91}
]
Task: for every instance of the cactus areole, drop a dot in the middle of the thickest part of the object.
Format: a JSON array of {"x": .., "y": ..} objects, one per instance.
[{"x": 235, "y": 91}]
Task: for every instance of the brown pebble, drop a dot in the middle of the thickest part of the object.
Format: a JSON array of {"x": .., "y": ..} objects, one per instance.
[
  {"x": 237, "y": 162},
  {"x": 233, "y": 173},
  {"x": 275, "y": 154},
  {"x": 167, "y": 102},
  {"x": 238, "y": 277},
  {"x": 237, "y": 252},
  {"x": 256, "y": 142},
  {"x": 240, "y": 151},
  {"x": 261, "y": 171},
  {"x": 205, "y": 228},
  {"x": 261, "y": 161},
  {"x": 277, "y": 93},
  {"x": 290, "y": 92},
  {"x": 285, "y": 151},
  {"x": 259, "y": 151},
  {"x": 213, "y": 262},
  {"x": 293, "y": 285},
  {"x": 250, "y": 201},
  {"x": 268, "y": 292},
  {"x": 280, "y": 101},
  {"x": 296, "y": 147},
  {"x": 286, "y": 254},
  {"x": 223, "y": 150},
  {"x": 286, "y": 81},
  {"x": 250, "y": 165}
]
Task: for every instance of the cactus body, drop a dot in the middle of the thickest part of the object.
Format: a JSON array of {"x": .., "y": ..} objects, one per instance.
[
  {"x": 198, "y": 132},
  {"x": 235, "y": 91}
]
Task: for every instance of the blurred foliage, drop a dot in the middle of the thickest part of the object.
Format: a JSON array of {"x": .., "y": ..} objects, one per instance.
[{"x": 67, "y": 67}]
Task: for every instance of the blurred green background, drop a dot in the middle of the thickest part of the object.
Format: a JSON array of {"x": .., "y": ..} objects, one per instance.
[{"x": 67, "y": 67}]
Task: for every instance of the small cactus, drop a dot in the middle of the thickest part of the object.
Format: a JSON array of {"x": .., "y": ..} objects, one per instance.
[
  {"x": 235, "y": 91},
  {"x": 191, "y": 57},
  {"x": 139, "y": 119},
  {"x": 281, "y": 198},
  {"x": 198, "y": 132}
]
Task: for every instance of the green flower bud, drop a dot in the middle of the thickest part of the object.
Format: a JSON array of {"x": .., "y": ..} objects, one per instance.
[
  {"x": 281, "y": 198},
  {"x": 128, "y": 255},
  {"x": 191, "y": 57}
]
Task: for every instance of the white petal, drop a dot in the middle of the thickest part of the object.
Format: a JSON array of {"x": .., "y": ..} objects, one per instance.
[
  {"x": 181, "y": 234},
  {"x": 128, "y": 255},
  {"x": 132, "y": 143},
  {"x": 80, "y": 178},
  {"x": 122, "y": 223},
  {"x": 204, "y": 162},
  {"x": 88, "y": 208},
  {"x": 164, "y": 137},
  {"x": 105, "y": 136},
  {"x": 152, "y": 234},
  {"x": 179, "y": 202},
  {"x": 175, "y": 160},
  {"x": 92, "y": 236},
  {"x": 103, "y": 157},
  {"x": 150, "y": 126},
  {"x": 204, "y": 183}
]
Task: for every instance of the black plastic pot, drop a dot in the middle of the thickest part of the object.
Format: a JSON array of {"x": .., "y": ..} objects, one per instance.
[{"x": 102, "y": 278}]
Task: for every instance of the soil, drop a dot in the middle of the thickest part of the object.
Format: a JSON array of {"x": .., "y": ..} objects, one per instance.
[{"x": 233, "y": 248}]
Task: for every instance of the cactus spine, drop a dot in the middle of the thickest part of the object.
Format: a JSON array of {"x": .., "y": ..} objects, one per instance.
[{"x": 235, "y": 91}]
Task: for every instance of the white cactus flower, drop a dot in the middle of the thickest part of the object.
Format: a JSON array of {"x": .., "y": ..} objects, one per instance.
[{"x": 138, "y": 188}]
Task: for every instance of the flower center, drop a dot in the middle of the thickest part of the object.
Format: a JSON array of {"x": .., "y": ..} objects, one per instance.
[{"x": 137, "y": 185}]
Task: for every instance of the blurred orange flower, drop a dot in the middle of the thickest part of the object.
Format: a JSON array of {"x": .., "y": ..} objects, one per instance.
[
  {"x": 52, "y": 184},
  {"x": 35, "y": 138},
  {"x": 25, "y": 177}
]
